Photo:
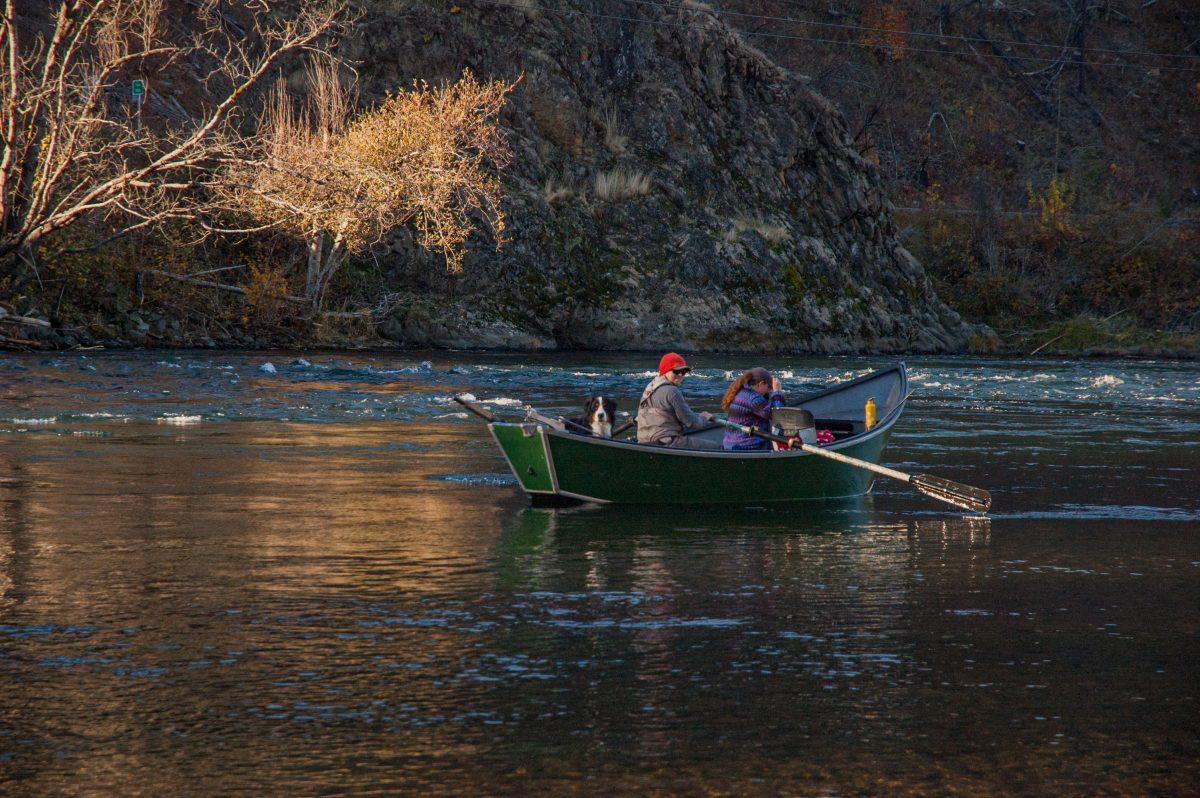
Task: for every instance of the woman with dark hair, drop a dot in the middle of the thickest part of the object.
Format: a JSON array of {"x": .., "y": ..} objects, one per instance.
[{"x": 749, "y": 401}]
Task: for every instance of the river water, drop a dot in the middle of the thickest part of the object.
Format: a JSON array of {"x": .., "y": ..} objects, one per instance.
[{"x": 318, "y": 577}]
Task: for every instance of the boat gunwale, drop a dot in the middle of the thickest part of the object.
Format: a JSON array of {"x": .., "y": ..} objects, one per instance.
[
  {"x": 884, "y": 424},
  {"x": 841, "y": 386}
]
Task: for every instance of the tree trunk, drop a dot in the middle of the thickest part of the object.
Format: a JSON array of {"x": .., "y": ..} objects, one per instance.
[
  {"x": 316, "y": 248},
  {"x": 332, "y": 261}
]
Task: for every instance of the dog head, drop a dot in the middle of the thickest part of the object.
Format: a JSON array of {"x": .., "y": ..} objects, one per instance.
[{"x": 598, "y": 415}]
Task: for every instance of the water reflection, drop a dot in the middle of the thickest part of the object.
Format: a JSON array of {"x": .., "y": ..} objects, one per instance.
[
  {"x": 537, "y": 540},
  {"x": 16, "y": 543},
  {"x": 280, "y": 606}
]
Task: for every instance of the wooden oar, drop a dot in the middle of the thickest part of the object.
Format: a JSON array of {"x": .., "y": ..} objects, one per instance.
[
  {"x": 619, "y": 430},
  {"x": 559, "y": 423},
  {"x": 483, "y": 413},
  {"x": 489, "y": 417},
  {"x": 955, "y": 493}
]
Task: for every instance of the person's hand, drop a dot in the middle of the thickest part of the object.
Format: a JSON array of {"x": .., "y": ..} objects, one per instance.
[
  {"x": 775, "y": 386},
  {"x": 707, "y": 416}
]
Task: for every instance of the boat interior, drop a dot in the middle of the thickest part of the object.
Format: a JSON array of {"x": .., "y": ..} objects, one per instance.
[
  {"x": 840, "y": 428},
  {"x": 840, "y": 408}
]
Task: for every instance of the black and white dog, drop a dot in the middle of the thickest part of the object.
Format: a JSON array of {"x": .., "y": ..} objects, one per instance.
[{"x": 598, "y": 415}]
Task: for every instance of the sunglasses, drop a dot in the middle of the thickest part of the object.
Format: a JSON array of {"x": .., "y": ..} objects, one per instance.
[{"x": 680, "y": 371}]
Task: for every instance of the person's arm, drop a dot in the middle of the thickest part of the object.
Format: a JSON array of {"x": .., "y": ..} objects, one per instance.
[
  {"x": 682, "y": 412},
  {"x": 760, "y": 406},
  {"x": 776, "y": 393}
]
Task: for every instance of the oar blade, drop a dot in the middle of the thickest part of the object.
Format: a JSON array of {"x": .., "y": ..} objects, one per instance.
[{"x": 956, "y": 493}]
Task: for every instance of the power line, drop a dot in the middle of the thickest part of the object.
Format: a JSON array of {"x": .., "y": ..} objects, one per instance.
[
  {"x": 930, "y": 35},
  {"x": 523, "y": 6}
]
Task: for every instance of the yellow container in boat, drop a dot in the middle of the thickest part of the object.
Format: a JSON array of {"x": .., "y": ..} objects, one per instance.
[{"x": 869, "y": 414}]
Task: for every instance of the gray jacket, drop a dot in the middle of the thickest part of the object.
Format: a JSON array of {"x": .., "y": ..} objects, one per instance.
[{"x": 663, "y": 413}]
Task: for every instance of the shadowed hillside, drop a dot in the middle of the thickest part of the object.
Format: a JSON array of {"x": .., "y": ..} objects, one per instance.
[
  {"x": 1044, "y": 156},
  {"x": 672, "y": 187}
]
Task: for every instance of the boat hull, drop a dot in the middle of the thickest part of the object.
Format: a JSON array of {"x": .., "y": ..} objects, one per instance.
[{"x": 549, "y": 464}]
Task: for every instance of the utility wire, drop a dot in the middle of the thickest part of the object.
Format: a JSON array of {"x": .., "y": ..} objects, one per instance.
[
  {"x": 930, "y": 35},
  {"x": 523, "y": 6}
]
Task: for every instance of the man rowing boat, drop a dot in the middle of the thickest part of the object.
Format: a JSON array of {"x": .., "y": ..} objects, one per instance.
[{"x": 663, "y": 413}]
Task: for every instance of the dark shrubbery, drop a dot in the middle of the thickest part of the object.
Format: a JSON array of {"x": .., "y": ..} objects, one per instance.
[{"x": 1030, "y": 271}]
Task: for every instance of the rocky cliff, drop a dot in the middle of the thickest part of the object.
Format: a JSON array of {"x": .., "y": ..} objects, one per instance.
[{"x": 672, "y": 188}]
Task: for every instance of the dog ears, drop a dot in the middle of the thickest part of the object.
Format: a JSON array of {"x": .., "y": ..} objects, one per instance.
[{"x": 595, "y": 402}]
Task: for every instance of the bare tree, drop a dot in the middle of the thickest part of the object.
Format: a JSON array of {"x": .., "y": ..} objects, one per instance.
[{"x": 69, "y": 150}]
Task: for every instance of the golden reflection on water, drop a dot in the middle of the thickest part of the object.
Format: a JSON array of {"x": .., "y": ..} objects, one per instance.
[
  {"x": 163, "y": 531},
  {"x": 303, "y": 501}
]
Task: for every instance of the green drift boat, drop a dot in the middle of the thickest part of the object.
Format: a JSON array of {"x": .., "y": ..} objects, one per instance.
[{"x": 555, "y": 465}]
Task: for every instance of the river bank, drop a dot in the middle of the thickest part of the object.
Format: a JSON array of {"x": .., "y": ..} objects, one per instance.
[
  {"x": 1079, "y": 337},
  {"x": 154, "y": 313}
]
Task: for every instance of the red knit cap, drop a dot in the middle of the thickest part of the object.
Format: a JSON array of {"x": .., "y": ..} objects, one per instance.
[{"x": 671, "y": 361}]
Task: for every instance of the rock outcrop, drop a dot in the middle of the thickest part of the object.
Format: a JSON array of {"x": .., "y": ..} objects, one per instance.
[{"x": 672, "y": 188}]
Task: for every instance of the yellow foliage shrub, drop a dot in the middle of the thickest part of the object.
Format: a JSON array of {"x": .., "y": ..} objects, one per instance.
[
  {"x": 266, "y": 297},
  {"x": 1053, "y": 206},
  {"x": 426, "y": 157}
]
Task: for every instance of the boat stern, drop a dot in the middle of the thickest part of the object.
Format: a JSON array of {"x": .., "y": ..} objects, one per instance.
[{"x": 524, "y": 447}]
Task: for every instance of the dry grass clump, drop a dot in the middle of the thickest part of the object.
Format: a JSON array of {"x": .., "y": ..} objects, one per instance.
[
  {"x": 730, "y": 235},
  {"x": 614, "y": 137},
  {"x": 622, "y": 184},
  {"x": 554, "y": 192},
  {"x": 771, "y": 232},
  {"x": 529, "y": 8}
]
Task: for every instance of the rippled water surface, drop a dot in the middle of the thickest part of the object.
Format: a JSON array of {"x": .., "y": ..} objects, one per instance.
[{"x": 219, "y": 576}]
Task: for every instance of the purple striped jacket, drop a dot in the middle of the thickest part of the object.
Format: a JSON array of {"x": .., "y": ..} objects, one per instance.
[{"x": 751, "y": 409}]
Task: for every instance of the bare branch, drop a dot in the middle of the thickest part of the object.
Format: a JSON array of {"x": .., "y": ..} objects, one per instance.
[
  {"x": 66, "y": 155},
  {"x": 233, "y": 289},
  {"x": 12, "y": 318}
]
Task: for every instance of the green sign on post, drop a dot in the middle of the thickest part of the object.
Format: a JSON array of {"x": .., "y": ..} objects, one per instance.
[{"x": 138, "y": 89}]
